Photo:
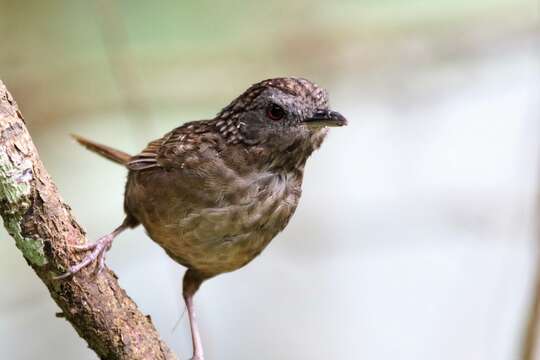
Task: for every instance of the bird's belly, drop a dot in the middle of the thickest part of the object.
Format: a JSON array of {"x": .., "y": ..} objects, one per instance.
[{"x": 222, "y": 239}]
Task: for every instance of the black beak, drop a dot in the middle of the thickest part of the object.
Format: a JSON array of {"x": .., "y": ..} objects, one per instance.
[{"x": 326, "y": 118}]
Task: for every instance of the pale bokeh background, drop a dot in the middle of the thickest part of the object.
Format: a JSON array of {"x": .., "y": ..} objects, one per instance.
[{"x": 415, "y": 238}]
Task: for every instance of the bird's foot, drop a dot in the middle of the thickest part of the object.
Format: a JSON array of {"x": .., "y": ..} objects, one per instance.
[{"x": 99, "y": 250}]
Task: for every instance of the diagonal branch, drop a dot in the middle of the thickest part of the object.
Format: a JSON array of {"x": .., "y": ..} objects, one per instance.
[{"x": 41, "y": 224}]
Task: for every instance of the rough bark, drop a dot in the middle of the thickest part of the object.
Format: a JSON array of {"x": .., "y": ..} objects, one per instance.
[{"x": 43, "y": 228}]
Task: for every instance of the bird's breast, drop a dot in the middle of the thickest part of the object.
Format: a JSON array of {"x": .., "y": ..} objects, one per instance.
[{"x": 229, "y": 234}]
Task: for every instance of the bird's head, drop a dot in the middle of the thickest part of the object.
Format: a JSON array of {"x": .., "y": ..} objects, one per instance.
[{"x": 279, "y": 112}]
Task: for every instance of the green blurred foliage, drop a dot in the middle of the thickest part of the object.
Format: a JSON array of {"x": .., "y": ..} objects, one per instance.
[{"x": 77, "y": 57}]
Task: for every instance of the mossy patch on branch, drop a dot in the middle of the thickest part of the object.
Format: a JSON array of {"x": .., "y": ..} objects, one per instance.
[{"x": 14, "y": 200}]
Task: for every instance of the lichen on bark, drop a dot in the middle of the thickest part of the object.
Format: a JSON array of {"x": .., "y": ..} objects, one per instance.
[{"x": 14, "y": 192}]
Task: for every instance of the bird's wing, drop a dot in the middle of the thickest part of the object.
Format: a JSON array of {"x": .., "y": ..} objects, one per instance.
[
  {"x": 176, "y": 147},
  {"x": 147, "y": 158}
]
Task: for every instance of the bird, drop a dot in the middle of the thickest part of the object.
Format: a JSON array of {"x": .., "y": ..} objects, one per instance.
[{"x": 214, "y": 193}]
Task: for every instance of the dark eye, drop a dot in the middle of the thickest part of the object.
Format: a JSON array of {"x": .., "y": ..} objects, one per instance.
[{"x": 275, "y": 112}]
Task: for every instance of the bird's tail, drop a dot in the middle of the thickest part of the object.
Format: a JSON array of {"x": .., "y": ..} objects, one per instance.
[{"x": 117, "y": 156}]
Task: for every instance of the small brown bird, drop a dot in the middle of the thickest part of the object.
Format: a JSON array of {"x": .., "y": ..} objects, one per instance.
[{"x": 214, "y": 193}]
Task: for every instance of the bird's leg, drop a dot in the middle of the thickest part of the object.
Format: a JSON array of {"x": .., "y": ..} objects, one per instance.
[
  {"x": 192, "y": 282},
  {"x": 98, "y": 251}
]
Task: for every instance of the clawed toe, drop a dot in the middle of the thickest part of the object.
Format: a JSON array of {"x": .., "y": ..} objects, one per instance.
[
  {"x": 84, "y": 247},
  {"x": 101, "y": 260},
  {"x": 99, "y": 249}
]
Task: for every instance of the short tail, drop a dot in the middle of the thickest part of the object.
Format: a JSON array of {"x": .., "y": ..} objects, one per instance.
[{"x": 117, "y": 156}]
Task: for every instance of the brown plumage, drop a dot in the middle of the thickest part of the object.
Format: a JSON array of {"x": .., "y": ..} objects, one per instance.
[
  {"x": 214, "y": 193},
  {"x": 117, "y": 156}
]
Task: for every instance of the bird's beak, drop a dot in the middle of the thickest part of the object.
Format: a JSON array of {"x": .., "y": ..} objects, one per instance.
[{"x": 324, "y": 117}]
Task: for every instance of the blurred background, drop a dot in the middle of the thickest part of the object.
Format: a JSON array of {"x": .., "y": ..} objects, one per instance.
[{"x": 416, "y": 234}]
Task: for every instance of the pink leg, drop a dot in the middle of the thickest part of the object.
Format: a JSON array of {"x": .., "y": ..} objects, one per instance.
[
  {"x": 191, "y": 284},
  {"x": 99, "y": 249}
]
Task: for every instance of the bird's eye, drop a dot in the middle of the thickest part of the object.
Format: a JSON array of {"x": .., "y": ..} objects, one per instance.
[{"x": 275, "y": 112}]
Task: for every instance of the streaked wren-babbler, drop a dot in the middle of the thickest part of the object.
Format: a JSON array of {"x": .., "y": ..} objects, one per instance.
[{"x": 214, "y": 193}]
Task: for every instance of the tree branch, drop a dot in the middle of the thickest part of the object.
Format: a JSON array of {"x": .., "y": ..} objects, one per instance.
[{"x": 43, "y": 228}]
